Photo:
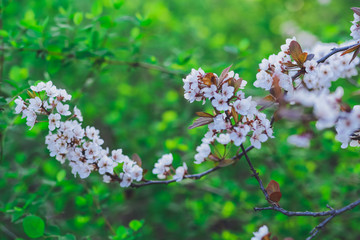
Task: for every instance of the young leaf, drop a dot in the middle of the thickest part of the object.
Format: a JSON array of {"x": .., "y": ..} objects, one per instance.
[
  {"x": 78, "y": 17},
  {"x": 234, "y": 114},
  {"x": 352, "y": 49},
  {"x": 354, "y": 55},
  {"x": 297, "y": 53},
  {"x": 201, "y": 121},
  {"x": 135, "y": 225},
  {"x": 137, "y": 159},
  {"x": 224, "y": 73},
  {"x": 356, "y": 10},
  {"x": 204, "y": 114},
  {"x": 226, "y": 162},
  {"x": 273, "y": 190}
]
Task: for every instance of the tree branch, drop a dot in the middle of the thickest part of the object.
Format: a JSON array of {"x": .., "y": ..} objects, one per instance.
[
  {"x": 255, "y": 173},
  {"x": 97, "y": 59},
  {"x": 115, "y": 177},
  {"x": 331, "y": 213},
  {"x": 335, "y": 50}
]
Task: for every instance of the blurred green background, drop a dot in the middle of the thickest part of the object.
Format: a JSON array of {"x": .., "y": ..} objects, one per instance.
[{"x": 123, "y": 62}]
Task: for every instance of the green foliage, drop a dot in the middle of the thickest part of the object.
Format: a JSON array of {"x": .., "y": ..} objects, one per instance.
[
  {"x": 123, "y": 62},
  {"x": 33, "y": 226}
]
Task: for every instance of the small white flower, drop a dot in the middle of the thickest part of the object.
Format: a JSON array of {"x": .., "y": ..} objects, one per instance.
[
  {"x": 136, "y": 173},
  {"x": 180, "y": 172},
  {"x": 126, "y": 180},
  {"x": 224, "y": 138},
  {"x": 20, "y": 105},
  {"x": 166, "y": 159},
  {"x": 106, "y": 179},
  {"x": 63, "y": 109},
  {"x": 203, "y": 152},
  {"x": 263, "y": 231},
  {"x": 239, "y": 134},
  {"x": 35, "y": 104},
  {"x": 54, "y": 121},
  {"x": 91, "y": 132},
  {"x": 77, "y": 114},
  {"x": 263, "y": 80},
  {"x": 39, "y": 87},
  {"x": 310, "y": 66},
  {"x": 220, "y": 102},
  {"x": 245, "y": 106},
  {"x": 227, "y": 91},
  {"x": 209, "y": 92},
  {"x": 117, "y": 156},
  {"x": 258, "y": 137},
  {"x": 106, "y": 165}
]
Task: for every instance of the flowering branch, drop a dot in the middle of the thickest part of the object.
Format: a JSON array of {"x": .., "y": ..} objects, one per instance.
[
  {"x": 190, "y": 176},
  {"x": 292, "y": 77},
  {"x": 336, "y": 50}
]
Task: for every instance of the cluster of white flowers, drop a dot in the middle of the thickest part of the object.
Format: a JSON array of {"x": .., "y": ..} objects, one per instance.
[
  {"x": 67, "y": 139},
  {"x": 163, "y": 168},
  {"x": 274, "y": 70},
  {"x": 283, "y": 70},
  {"x": 235, "y": 116},
  {"x": 261, "y": 234},
  {"x": 307, "y": 82}
]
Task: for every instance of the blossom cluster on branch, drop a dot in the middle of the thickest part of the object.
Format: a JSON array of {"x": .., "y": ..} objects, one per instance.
[{"x": 292, "y": 77}]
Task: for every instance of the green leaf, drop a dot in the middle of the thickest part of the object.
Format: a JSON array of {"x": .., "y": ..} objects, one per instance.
[
  {"x": 33, "y": 226},
  {"x": 136, "y": 225},
  {"x": 61, "y": 175},
  {"x": 18, "y": 74},
  {"x": 78, "y": 17},
  {"x": 118, "y": 3},
  {"x": 121, "y": 233},
  {"x": 97, "y": 8}
]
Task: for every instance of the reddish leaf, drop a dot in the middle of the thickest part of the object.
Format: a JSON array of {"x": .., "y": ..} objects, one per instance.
[
  {"x": 273, "y": 190},
  {"x": 213, "y": 158},
  {"x": 302, "y": 58},
  {"x": 201, "y": 121},
  {"x": 296, "y": 52},
  {"x": 290, "y": 64},
  {"x": 226, "y": 162},
  {"x": 354, "y": 55},
  {"x": 269, "y": 98},
  {"x": 352, "y": 49},
  {"x": 137, "y": 159},
  {"x": 224, "y": 73},
  {"x": 356, "y": 10},
  {"x": 204, "y": 114},
  {"x": 234, "y": 114},
  {"x": 236, "y": 83}
]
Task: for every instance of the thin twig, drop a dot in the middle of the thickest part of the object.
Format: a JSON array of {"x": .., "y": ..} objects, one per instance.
[
  {"x": 335, "y": 50},
  {"x": 100, "y": 210},
  {"x": 255, "y": 173},
  {"x": 98, "y": 59},
  {"x": 190, "y": 176}
]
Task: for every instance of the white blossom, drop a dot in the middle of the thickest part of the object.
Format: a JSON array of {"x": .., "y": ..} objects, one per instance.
[
  {"x": 263, "y": 231},
  {"x": 180, "y": 172}
]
